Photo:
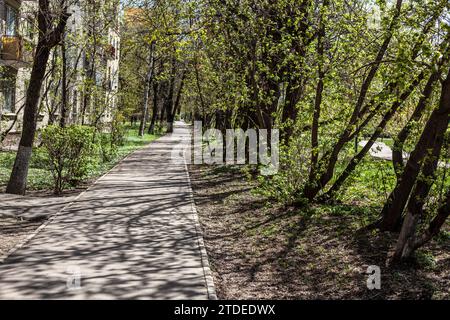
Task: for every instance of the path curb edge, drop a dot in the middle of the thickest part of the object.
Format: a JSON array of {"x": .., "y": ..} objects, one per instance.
[{"x": 209, "y": 280}]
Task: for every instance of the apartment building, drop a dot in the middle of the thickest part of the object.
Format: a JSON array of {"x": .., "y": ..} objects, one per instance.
[
  {"x": 15, "y": 60},
  {"x": 92, "y": 51},
  {"x": 93, "y": 61}
]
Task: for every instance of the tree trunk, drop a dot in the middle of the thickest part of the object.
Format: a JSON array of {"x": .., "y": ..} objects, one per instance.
[
  {"x": 397, "y": 150},
  {"x": 47, "y": 40},
  {"x": 318, "y": 98},
  {"x": 434, "y": 130},
  {"x": 168, "y": 103},
  {"x": 406, "y": 242},
  {"x": 177, "y": 105},
  {"x": 328, "y": 161},
  {"x": 200, "y": 95},
  {"x": 378, "y": 130},
  {"x": 151, "y": 129},
  {"x": 64, "y": 109},
  {"x": 18, "y": 179},
  {"x": 162, "y": 114},
  {"x": 295, "y": 83},
  {"x": 148, "y": 82},
  {"x": 435, "y": 224}
]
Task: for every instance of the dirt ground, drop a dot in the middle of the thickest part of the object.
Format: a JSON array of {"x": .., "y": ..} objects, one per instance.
[
  {"x": 20, "y": 216},
  {"x": 263, "y": 251},
  {"x": 14, "y": 231}
]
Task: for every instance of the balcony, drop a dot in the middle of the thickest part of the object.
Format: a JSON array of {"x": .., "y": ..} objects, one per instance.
[{"x": 11, "y": 48}]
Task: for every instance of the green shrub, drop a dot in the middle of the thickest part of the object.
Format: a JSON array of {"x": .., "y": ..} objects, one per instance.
[
  {"x": 110, "y": 142},
  {"x": 108, "y": 147},
  {"x": 425, "y": 259},
  {"x": 39, "y": 158},
  {"x": 118, "y": 130},
  {"x": 71, "y": 153},
  {"x": 7, "y": 159},
  {"x": 285, "y": 186}
]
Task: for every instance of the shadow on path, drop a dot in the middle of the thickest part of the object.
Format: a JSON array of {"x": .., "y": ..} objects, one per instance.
[{"x": 130, "y": 236}]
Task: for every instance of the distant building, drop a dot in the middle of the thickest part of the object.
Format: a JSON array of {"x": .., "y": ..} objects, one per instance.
[
  {"x": 15, "y": 60},
  {"x": 93, "y": 67},
  {"x": 94, "y": 94}
]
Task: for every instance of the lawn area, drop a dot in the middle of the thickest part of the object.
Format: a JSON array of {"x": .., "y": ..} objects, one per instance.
[
  {"x": 370, "y": 184},
  {"x": 41, "y": 179}
]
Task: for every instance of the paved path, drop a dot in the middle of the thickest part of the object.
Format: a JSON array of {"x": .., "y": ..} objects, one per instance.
[
  {"x": 133, "y": 235},
  {"x": 32, "y": 207},
  {"x": 382, "y": 151}
]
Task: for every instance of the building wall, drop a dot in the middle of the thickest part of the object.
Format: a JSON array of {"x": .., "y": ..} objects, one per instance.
[
  {"x": 107, "y": 67},
  {"x": 18, "y": 69},
  {"x": 113, "y": 74},
  {"x": 22, "y": 70}
]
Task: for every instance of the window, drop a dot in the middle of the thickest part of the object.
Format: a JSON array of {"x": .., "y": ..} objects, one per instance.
[
  {"x": 75, "y": 98},
  {"x": 9, "y": 95},
  {"x": 27, "y": 28},
  {"x": 8, "y": 78},
  {"x": 11, "y": 21},
  {"x": 74, "y": 105},
  {"x": 109, "y": 78}
]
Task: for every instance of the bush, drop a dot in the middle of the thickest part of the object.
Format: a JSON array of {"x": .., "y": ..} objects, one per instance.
[
  {"x": 285, "y": 186},
  {"x": 39, "y": 158},
  {"x": 109, "y": 142},
  {"x": 71, "y": 152},
  {"x": 108, "y": 147},
  {"x": 118, "y": 130}
]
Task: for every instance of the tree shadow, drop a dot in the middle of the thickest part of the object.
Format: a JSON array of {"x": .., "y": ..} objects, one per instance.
[{"x": 132, "y": 235}]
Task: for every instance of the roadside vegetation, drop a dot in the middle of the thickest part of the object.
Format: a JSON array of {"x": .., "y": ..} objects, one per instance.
[
  {"x": 98, "y": 159},
  {"x": 261, "y": 249},
  {"x": 333, "y": 78}
]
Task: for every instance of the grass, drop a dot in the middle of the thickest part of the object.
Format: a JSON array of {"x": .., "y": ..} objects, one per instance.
[
  {"x": 387, "y": 141},
  {"x": 370, "y": 183},
  {"x": 374, "y": 179},
  {"x": 40, "y": 178}
]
